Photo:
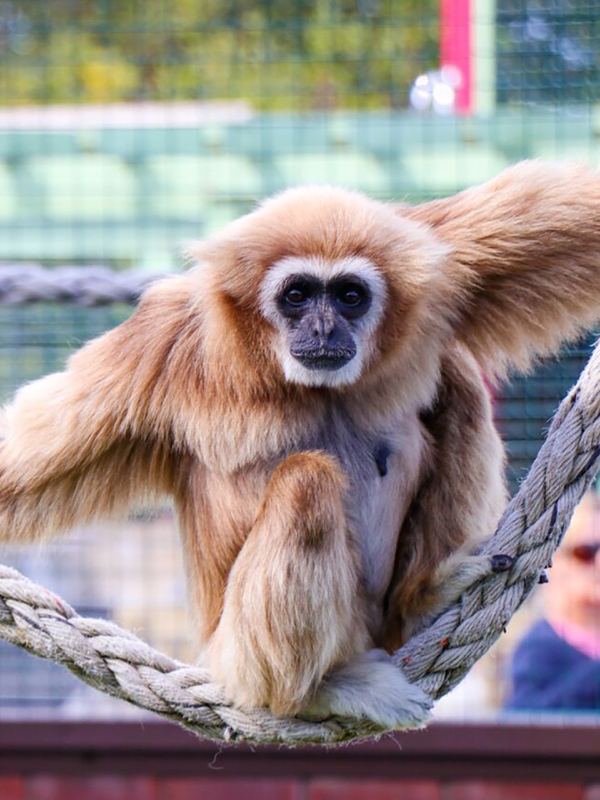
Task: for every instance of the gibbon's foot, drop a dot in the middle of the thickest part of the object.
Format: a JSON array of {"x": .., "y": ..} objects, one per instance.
[
  {"x": 371, "y": 688},
  {"x": 460, "y": 572}
]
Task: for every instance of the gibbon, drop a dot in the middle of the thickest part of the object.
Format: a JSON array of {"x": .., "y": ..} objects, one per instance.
[{"x": 312, "y": 395}]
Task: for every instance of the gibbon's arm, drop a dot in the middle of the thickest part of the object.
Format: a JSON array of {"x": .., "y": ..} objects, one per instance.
[
  {"x": 90, "y": 441},
  {"x": 525, "y": 256}
]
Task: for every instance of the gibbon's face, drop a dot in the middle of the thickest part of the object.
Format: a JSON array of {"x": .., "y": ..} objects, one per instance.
[
  {"x": 325, "y": 313},
  {"x": 348, "y": 285}
]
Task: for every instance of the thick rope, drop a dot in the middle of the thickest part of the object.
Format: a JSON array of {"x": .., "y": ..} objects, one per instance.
[
  {"x": 84, "y": 286},
  {"x": 530, "y": 530},
  {"x": 118, "y": 663}
]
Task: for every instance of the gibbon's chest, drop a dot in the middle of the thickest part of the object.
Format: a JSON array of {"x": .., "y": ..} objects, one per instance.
[
  {"x": 382, "y": 466},
  {"x": 383, "y": 470}
]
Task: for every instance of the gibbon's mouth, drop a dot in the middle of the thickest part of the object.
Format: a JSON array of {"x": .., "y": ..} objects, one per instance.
[{"x": 323, "y": 358}]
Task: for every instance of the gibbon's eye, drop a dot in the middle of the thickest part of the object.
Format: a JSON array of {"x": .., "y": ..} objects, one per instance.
[
  {"x": 297, "y": 294},
  {"x": 351, "y": 295}
]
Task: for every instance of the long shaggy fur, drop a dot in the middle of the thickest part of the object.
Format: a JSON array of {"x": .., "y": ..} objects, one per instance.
[{"x": 320, "y": 522}]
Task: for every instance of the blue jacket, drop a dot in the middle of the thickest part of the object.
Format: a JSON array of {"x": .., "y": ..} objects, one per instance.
[{"x": 549, "y": 674}]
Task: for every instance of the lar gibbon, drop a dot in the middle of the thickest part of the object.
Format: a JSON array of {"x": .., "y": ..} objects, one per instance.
[{"x": 312, "y": 396}]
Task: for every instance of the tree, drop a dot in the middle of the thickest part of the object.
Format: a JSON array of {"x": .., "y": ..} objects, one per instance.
[{"x": 295, "y": 55}]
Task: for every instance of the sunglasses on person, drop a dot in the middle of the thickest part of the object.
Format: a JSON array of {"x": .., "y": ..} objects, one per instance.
[{"x": 584, "y": 553}]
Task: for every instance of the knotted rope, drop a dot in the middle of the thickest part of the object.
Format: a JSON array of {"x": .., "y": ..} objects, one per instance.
[{"x": 118, "y": 663}]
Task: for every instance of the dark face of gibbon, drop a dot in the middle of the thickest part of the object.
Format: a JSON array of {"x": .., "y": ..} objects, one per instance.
[
  {"x": 320, "y": 314},
  {"x": 325, "y": 313}
]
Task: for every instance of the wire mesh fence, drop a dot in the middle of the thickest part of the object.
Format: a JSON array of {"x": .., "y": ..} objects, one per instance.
[{"x": 128, "y": 129}]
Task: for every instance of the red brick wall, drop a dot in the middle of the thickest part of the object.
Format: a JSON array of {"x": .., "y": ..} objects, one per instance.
[
  {"x": 159, "y": 761},
  {"x": 132, "y": 788}
]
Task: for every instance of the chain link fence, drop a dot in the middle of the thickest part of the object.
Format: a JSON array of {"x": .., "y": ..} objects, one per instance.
[{"x": 128, "y": 129}]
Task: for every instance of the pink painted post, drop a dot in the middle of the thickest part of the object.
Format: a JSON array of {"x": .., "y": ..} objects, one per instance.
[{"x": 456, "y": 46}]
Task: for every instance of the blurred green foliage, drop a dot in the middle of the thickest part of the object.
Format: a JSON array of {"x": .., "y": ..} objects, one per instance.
[{"x": 300, "y": 54}]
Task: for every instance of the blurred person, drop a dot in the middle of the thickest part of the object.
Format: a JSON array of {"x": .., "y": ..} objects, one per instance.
[{"x": 556, "y": 666}]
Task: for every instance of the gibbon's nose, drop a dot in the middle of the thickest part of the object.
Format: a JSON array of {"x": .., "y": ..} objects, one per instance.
[
  {"x": 323, "y": 329},
  {"x": 323, "y": 322}
]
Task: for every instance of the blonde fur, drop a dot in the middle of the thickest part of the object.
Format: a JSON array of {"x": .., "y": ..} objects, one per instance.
[{"x": 323, "y": 516}]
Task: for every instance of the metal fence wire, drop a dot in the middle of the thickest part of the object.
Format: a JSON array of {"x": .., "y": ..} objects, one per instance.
[{"x": 128, "y": 129}]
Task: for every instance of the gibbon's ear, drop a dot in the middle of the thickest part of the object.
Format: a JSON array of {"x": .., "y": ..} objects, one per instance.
[{"x": 525, "y": 259}]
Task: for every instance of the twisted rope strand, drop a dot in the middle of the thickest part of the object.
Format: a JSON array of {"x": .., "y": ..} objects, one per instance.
[
  {"x": 530, "y": 530},
  {"x": 84, "y": 286}
]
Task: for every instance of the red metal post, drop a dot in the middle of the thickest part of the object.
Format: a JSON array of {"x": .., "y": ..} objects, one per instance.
[{"x": 456, "y": 47}]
